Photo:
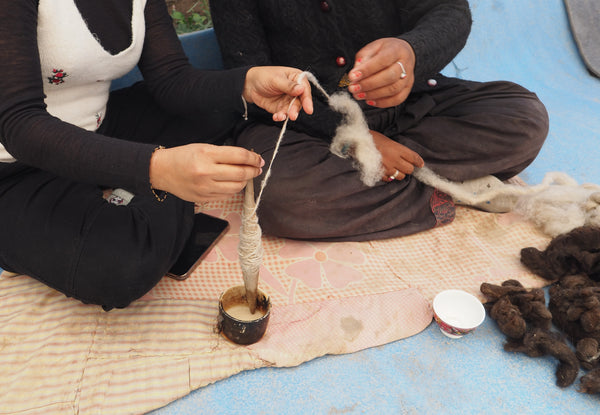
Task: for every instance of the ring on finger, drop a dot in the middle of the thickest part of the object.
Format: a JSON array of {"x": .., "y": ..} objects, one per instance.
[
  {"x": 393, "y": 176},
  {"x": 403, "y": 74}
]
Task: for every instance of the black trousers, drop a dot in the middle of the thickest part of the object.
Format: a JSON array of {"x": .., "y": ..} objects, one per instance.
[
  {"x": 462, "y": 130},
  {"x": 66, "y": 235}
]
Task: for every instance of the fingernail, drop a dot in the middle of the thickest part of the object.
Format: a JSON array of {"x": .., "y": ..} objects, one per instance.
[
  {"x": 262, "y": 162},
  {"x": 371, "y": 103},
  {"x": 359, "y": 60},
  {"x": 362, "y": 95},
  {"x": 355, "y": 75},
  {"x": 354, "y": 88}
]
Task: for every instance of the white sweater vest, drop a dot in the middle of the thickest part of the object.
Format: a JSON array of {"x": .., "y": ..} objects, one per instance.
[{"x": 76, "y": 70}]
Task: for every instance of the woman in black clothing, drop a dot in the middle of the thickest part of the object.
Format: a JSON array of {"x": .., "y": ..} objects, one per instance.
[
  {"x": 388, "y": 55},
  {"x": 64, "y": 139}
]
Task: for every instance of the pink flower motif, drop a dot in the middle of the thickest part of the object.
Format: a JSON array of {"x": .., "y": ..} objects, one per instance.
[
  {"x": 334, "y": 262},
  {"x": 312, "y": 262}
]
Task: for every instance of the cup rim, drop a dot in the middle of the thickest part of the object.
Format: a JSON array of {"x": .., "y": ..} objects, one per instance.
[
  {"x": 467, "y": 296},
  {"x": 230, "y": 290}
]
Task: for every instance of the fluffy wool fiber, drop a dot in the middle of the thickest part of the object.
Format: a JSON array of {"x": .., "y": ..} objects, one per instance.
[
  {"x": 523, "y": 317},
  {"x": 488, "y": 193},
  {"x": 562, "y": 207},
  {"x": 353, "y": 139},
  {"x": 575, "y": 252},
  {"x": 556, "y": 206}
]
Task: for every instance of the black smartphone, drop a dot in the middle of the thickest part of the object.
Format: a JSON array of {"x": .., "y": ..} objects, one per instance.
[{"x": 206, "y": 232}]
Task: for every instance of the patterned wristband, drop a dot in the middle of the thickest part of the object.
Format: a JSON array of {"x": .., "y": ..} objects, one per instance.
[{"x": 161, "y": 195}]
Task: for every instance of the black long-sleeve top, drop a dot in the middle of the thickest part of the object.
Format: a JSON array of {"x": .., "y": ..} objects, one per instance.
[
  {"x": 36, "y": 138},
  {"x": 314, "y": 34}
]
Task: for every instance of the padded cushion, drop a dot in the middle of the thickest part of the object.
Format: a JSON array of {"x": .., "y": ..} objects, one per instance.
[{"x": 584, "y": 16}]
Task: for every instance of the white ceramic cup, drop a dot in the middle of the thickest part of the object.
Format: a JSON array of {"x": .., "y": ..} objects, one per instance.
[{"x": 457, "y": 312}]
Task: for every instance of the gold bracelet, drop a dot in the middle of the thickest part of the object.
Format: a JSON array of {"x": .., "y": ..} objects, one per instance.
[{"x": 161, "y": 198}]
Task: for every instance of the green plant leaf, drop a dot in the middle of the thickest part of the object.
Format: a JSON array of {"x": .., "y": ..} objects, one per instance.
[{"x": 177, "y": 15}]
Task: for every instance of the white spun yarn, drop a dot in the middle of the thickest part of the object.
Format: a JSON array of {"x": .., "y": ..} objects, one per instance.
[
  {"x": 250, "y": 248},
  {"x": 353, "y": 135}
]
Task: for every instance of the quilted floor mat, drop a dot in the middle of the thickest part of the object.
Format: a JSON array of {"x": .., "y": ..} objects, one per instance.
[{"x": 59, "y": 356}]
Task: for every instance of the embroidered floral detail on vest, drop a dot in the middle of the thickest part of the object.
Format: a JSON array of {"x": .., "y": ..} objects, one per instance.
[
  {"x": 98, "y": 119},
  {"x": 58, "y": 77}
]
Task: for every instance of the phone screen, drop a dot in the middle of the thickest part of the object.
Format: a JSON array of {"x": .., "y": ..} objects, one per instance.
[{"x": 205, "y": 234}]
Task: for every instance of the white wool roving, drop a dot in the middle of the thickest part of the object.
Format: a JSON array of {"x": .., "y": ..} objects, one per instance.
[
  {"x": 556, "y": 206},
  {"x": 562, "y": 207},
  {"x": 488, "y": 193},
  {"x": 353, "y": 139}
]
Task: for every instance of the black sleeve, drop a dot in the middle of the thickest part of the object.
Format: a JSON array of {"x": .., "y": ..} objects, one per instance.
[
  {"x": 36, "y": 138},
  {"x": 175, "y": 84},
  {"x": 437, "y": 30},
  {"x": 248, "y": 45}
]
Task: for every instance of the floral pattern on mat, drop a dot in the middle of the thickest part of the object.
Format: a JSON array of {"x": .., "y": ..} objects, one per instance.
[
  {"x": 327, "y": 298},
  {"x": 475, "y": 248}
]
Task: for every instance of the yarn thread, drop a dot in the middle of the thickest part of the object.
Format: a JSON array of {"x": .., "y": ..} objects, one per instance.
[
  {"x": 250, "y": 249},
  {"x": 352, "y": 139}
]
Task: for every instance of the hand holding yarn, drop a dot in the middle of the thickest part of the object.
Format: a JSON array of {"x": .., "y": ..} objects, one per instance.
[
  {"x": 203, "y": 172},
  {"x": 274, "y": 88},
  {"x": 384, "y": 72}
]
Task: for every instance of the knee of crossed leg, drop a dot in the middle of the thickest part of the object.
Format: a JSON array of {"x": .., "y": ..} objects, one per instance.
[
  {"x": 538, "y": 122},
  {"x": 118, "y": 284}
]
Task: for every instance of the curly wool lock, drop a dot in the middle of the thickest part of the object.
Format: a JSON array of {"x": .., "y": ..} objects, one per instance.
[{"x": 523, "y": 317}]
